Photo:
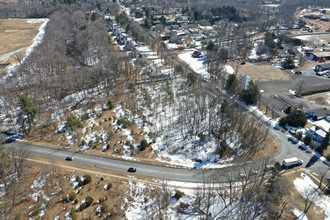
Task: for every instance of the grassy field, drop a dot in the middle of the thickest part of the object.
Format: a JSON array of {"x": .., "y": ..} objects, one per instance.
[
  {"x": 9, "y": 1},
  {"x": 16, "y": 36},
  {"x": 261, "y": 71},
  {"x": 320, "y": 98}
]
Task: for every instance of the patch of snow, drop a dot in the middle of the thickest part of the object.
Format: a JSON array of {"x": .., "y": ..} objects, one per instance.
[
  {"x": 37, "y": 187},
  {"x": 36, "y": 21},
  {"x": 308, "y": 189},
  {"x": 253, "y": 55},
  {"x": 171, "y": 46},
  {"x": 300, "y": 214},
  {"x": 6, "y": 56},
  {"x": 228, "y": 69},
  {"x": 311, "y": 38},
  {"x": 143, "y": 49}
]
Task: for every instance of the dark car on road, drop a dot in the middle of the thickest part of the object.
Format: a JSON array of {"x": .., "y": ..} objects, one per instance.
[
  {"x": 131, "y": 170},
  {"x": 293, "y": 140},
  {"x": 68, "y": 158}
]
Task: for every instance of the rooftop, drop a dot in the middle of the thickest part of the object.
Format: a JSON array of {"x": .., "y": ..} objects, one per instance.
[
  {"x": 324, "y": 124},
  {"x": 322, "y": 53}
]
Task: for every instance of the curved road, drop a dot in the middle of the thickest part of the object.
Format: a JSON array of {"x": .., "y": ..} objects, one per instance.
[{"x": 179, "y": 174}]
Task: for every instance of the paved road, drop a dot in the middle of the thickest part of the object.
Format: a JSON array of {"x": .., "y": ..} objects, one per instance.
[
  {"x": 288, "y": 150},
  {"x": 177, "y": 174}
]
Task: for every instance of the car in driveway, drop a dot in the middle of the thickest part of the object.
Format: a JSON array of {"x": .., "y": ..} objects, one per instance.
[
  {"x": 68, "y": 158},
  {"x": 197, "y": 54},
  {"x": 131, "y": 170}
]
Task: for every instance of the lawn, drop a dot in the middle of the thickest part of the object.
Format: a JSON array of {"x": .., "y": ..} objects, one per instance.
[{"x": 16, "y": 35}]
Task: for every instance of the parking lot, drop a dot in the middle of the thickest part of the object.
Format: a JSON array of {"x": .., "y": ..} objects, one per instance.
[{"x": 277, "y": 95}]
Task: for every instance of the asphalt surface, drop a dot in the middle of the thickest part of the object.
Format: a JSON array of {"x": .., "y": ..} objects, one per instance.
[
  {"x": 181, "y": 174},
  {"x": 307, "y": 81}
]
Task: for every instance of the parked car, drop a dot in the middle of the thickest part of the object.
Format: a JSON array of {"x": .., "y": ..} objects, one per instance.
[
  {"x": 277, "y": 127},
  {"x": 68, "y": 158},
  {"x": 131, "y": 170},
  {"x": 11, "y": 139},
  {"x": 197, "y": 54},
  {"x": 293, "y": 140}
]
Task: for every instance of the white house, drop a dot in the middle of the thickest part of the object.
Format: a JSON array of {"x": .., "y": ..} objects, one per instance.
[
  {"x": 317, "y": 133},
  {"x": 245, "y": 82}
]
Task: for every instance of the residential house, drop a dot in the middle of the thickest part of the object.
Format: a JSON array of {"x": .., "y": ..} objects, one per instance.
[
  {"x": 141, "y": 60},
  {"x": 129, "y": 45},
  {"x": 174, "y": 27},
  {"x": 320, "y": 56},
  {"x": 245, "y": 80},
  {"x": 122, "y": 38},
  {"x": 110, "y": 26},
  {"x": 319, "y": 113},
  {"x": 175, "y": 38},
  {"x": 317, "y": 133},
  {"x": 320, "y": 129},
  {"x": 323, "y": 67}
]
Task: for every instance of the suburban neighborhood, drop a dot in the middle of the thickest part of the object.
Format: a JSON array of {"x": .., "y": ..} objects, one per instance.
[{"x": 171, "y": 109}]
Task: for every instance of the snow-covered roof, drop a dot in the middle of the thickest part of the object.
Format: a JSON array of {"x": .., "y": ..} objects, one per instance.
[
  {"x": 321, "y": 133},
  {"x": 324, "y": 124}
]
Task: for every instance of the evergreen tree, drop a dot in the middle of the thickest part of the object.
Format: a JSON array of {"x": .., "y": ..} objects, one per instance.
[
  {"x": 269, "y": 40},
  {"x": 27, "y": 114},
  {"x": 147, "y": 23},
  {"x": 231, "y": 84},
  {"x": 297, "y": 118},
  {"x": 223, "y": 54},
  {"x": 251, "y": 95},
  {"x": 163, "y": 20},
  {"x": 325, "y": 142}
]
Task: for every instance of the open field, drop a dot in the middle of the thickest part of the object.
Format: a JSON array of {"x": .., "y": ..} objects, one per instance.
[
  {"x": 261, "y": 71},
  {"x": 9, "y": 1},
  {"x": 316, "y": 39},
  {"x": 320, "y": 98},
  {"x": 16, "y": 35}
]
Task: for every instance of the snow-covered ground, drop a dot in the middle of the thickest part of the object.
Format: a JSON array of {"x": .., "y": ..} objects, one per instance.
[
  {"x": 312, "y": 38},
  {"x": 253, "y": 55},
  {"x": 171, "y": 143},
  {"x": 299, "y": 214},
  {"x": 148, "y": 202},
  {"x": 308, "y": 189},
  {"x": 38, "y": 192},
  {"x": 195, "y": 63}
]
